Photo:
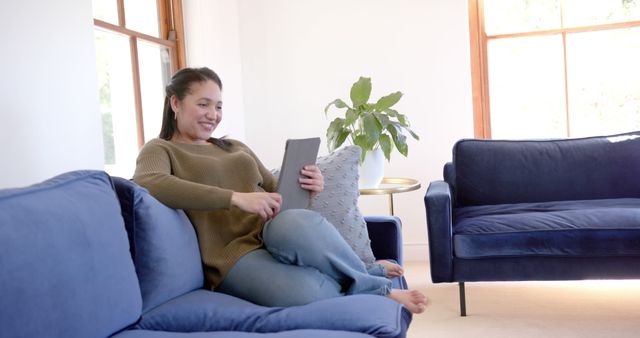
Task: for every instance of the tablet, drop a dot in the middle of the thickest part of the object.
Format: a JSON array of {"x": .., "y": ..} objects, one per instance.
[{"x": 297, "y": 154}]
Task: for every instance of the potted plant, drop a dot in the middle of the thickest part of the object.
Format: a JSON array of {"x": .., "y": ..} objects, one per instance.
[{"x": 374, "y": 127}]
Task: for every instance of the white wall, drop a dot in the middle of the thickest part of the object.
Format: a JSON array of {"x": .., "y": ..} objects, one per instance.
[
  {"x": 212, "y": 40},
  {"x": 299, "y": 55},
  {"x": 49, "y": 120}
]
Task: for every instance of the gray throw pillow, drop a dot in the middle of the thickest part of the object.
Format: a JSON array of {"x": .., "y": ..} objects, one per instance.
[{"x": 338, "y": 203}]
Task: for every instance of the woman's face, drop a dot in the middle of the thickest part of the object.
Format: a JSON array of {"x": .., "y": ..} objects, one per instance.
[{"x": 198, "y": 113}]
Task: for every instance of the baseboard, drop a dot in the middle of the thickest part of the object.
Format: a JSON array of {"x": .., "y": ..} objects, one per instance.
[{"x": 415, "y": 252}]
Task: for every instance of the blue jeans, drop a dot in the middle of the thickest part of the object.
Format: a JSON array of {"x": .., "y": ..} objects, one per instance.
[{"x": 305, "y": 259}]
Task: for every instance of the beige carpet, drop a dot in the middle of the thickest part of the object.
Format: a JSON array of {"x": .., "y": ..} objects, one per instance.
[{"x": 526, "y": 309}]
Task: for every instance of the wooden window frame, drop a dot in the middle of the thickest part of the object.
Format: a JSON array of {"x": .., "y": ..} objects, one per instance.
[
  {"x": 479, "y": 62},
  {"x": 171, "y": 36}
]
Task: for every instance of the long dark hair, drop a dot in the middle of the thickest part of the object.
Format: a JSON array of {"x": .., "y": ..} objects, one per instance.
[{"x": 180, "y": 86}]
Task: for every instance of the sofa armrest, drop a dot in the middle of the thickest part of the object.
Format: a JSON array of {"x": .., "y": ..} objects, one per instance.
[
  {"x": 385, "y": 233},
  {"x": 437, "y": 202}
]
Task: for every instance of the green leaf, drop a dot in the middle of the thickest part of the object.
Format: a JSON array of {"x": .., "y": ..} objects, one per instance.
[
  {"x": 372, "y": 128},
  {"x": 337, "y": 102},
  {"x": 335, "y": 126},
  {"x": 388, "y": 101},
  {"x": 360, "y": 91},
  {"x": 351, "y": 116},
  {"x": 402, "y": 146},
  {"x": 403, "y": 120},
  {"x": 361, "y": 141},
  {"x": 391, "y": 112},
  {"x": 414, "y": 135},
  {"x": 334, "y": 133},
  {"x": 385, "y": 144},
  {"x": 399, "y": 139},
  {"x": 340, "y": 139},
  {"x": 391, "y": 128},
  {"x": 383, "y": 119}
]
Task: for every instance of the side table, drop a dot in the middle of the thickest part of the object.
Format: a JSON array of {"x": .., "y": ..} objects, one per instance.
[{"x": 390, "y": 186}]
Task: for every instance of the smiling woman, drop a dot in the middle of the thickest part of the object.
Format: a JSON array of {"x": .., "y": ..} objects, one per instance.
[
  {"x": 192, "y": 107},
  {"x": 200, "y": 113},
  {"x": 249, "y": 247}
]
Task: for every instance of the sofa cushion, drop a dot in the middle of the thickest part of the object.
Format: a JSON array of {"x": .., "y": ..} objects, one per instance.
[
  {"x": 65, "y": 268},
  {"x": 164, "y": 245},
  {"x": 204, "y": 310},
  {"x": 500, "y": 172},
  {"x": 587, "y": 228}
]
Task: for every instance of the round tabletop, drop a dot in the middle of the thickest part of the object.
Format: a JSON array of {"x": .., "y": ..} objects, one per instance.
[{"x": 392, "y": 185}]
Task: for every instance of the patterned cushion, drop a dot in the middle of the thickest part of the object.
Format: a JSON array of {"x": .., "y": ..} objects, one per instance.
[{"x": 338, "y": 203}]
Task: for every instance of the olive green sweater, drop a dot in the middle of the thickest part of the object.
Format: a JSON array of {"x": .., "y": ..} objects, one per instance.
[{"x": 200, "y": 179}]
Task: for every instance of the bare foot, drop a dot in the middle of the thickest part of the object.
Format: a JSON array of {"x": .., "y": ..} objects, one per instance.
[
  {"x": 413, "y": 300},
  {"x": 393, "y": 269}
]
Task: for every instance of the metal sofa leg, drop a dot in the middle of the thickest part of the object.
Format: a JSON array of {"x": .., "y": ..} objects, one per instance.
[{"x": 463, "y": 302}]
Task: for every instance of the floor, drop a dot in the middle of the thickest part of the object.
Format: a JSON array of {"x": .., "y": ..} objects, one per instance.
[{"x": 526, "y": 309}]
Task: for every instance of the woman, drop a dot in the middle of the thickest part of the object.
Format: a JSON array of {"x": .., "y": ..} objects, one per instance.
[{"x": 248, "y": 248}]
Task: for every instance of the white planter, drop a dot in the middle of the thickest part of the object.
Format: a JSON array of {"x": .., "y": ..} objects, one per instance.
[{"x": 372, "y": 170}]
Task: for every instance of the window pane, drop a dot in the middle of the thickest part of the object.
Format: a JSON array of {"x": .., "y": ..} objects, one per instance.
[
  {"x": 155, "y": 72},
  {"x": 604, "y": 81},
  {"x": 514, "y": 16},
  {"x": 116, "y": 102},
  {"x": 142, "y": 16},
  {"x": 594, "y": 12},
  {"x": 105, "y": 10},
  {"x": 526, "y": 84}
]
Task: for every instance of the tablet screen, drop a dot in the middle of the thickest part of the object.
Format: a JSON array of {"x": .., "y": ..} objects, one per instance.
[{"x": 297, "y": 154}]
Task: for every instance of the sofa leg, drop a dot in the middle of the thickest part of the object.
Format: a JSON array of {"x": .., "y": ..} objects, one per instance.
[{"x": 463, "y": 302}]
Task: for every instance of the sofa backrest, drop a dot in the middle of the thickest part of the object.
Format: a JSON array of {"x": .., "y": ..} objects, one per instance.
[
  {"x": 65, "y": 268},
  {"x": 499, "y": 171},
  {"x": 163, "y": 243}
]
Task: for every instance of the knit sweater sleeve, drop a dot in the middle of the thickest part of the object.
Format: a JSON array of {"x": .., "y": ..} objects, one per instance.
[{"x": 154, "y": 172}]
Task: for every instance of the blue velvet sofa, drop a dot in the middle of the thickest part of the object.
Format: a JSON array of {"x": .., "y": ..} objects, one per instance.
[
  {"x": 536, "y": 210},
  {"x": 87, "y": 255}
]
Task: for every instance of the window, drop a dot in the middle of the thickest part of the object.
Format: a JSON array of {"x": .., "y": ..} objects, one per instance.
[
  {"x": 139, "y": 45},
  {"x": 555, "y": 68}
]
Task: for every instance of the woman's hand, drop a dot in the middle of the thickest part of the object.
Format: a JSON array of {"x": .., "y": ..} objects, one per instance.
[
  {"x": 265, "y": 204},
  {"x": 314, "y": 181}
]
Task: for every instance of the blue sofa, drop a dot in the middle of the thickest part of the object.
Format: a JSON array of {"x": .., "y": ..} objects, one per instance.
[
  {"x": 536, "y": 210},
  {"x": 87, "y": 255}
]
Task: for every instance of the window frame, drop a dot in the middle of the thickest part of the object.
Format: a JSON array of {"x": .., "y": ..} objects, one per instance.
[
  {"x": 171, "y": 32},
  {"x": 479, "y": 62}
]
